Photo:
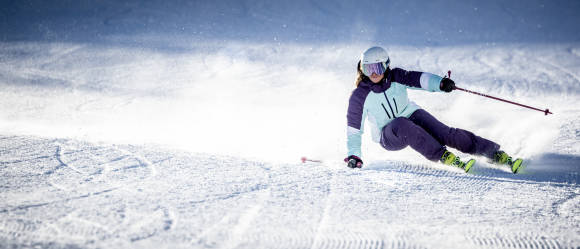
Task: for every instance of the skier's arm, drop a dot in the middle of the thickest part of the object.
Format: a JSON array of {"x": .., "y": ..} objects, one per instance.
[
  {"x": 417, "y": 80},
  {"x": 355, "y": 120},
  {"x": 354, "y": 141}
]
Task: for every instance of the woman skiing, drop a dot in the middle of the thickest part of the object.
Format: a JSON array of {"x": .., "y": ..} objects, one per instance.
[{"x": 396, "y": 122}]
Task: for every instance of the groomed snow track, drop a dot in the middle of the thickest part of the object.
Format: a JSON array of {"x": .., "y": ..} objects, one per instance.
[{"x": 60, "y": 193}]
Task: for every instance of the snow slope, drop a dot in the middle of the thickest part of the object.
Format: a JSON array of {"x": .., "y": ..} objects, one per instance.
[
  {"x": 67, "y": 193},
  {"x": 127, "y": 124}
]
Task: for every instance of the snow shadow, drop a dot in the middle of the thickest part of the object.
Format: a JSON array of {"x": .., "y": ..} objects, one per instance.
[{"x": 553, "y": 167}]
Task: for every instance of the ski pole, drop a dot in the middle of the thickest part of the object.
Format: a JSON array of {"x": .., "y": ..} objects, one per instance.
[
  {"x": 304, "y": 160},
  {"x": 546, "y": 112}
]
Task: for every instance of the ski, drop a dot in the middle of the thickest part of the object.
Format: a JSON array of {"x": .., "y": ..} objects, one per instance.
[
  {"x": 516, "y": 165},
  {"x": 468, "y": 165}
]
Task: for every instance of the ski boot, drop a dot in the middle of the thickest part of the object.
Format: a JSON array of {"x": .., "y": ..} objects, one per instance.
[
  {"x": 450, "y": 159},
  {"x": 501, "y": 158}
]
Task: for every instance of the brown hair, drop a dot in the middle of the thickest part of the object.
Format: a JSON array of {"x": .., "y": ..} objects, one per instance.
[{"x": 360, "y": 76}]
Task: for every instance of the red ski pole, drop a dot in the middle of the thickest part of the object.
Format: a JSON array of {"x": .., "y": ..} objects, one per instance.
[
  {"x": 546, "y": 112},
  {"x": 304, "y": 160}
]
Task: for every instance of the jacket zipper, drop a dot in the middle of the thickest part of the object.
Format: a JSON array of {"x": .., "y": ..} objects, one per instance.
[
  {"x": 396, "y": 108},
  {"x": 390, "y": 107},
  {"x": 386, "y": 110}
]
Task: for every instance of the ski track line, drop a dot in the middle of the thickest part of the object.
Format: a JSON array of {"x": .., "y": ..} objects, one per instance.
[
  {"x": 106, "y": 166},
  {"x": 69, "y": 216},
  {"x": 226, "y": 196},
  {"x": 82, "y": 228},
  {"x": 481, "y": 174},
  {"x": 572, "y": 200},
  {"x": 201, "y": 238},
  {"x": 171, "y": 220},
  {"x": 244, "y": 222},
  {"x": 21, "y": 148},
  {"x": 58, "y": 155},
  {"x": 401, "y": 243},
  {"x": 42, "y": 204},
  {"x": 17, "y": 228},
  {"x": 142, "y": 161},
  {"x": 358, "y": 239},
  {"x": 62, "y": 164},
  {"x": 143, "y": 229},
  {"x": 362, "y": 240},
  {"x": 58, "y": 186},
  {"x": 14, "y": 160},
  {"x": 283, "y": 240},
  {"x": 164, "y": 222},
  {"x": 517, "y": 241},
  {"x": 456, "y": 178},
  {"x": 55, "y": 228},
  {"x": 90, "y": 223},
  {"x": 317, "y": 243}
]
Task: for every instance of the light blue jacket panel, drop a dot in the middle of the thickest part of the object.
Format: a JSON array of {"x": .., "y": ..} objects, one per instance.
[{"x": 382, "y": 102}]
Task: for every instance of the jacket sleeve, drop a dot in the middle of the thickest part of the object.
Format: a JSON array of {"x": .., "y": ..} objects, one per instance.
[
  {"x": 417, "y": 80},
  {"x": 356, "y": 116}
]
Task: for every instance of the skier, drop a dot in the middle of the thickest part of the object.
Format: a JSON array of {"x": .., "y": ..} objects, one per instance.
[{"x": 396, "y": 122}]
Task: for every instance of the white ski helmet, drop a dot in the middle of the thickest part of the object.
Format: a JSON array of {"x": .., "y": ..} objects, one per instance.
[{"x": 373, "y": 56}]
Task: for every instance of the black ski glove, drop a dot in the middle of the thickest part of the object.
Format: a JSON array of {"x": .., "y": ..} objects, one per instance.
[
  {"x": 447, "y": 85},
  {"x": 353, "y": 161}
]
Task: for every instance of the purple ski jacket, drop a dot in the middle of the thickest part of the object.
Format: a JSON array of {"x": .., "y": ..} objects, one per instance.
[{"x": 382, "y": 102}]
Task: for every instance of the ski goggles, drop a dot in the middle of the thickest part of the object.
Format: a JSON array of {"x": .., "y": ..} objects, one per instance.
[{"x": 377, "y": 68}]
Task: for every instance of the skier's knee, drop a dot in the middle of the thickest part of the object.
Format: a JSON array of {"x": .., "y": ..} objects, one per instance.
[{"x": 399, "y": 124}]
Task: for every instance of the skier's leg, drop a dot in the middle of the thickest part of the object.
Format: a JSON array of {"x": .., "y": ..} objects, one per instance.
[
  {"x": 464, "y": 141},
  {"x": 401, "y": 133}
]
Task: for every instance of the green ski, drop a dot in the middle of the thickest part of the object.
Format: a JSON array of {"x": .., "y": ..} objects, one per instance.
[
  {"x": 468, "y": 165},
  {"x": 450, "y": 159},
  {"x": 515, "y": 165},
  {"x": 502, "y": 158}
]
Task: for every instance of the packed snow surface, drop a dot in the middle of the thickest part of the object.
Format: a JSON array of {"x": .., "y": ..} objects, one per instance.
[{"x": 181, "y": 124}]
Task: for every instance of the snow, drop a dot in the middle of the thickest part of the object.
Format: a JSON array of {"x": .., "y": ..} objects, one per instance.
[{"x": 181, "y": 125}]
